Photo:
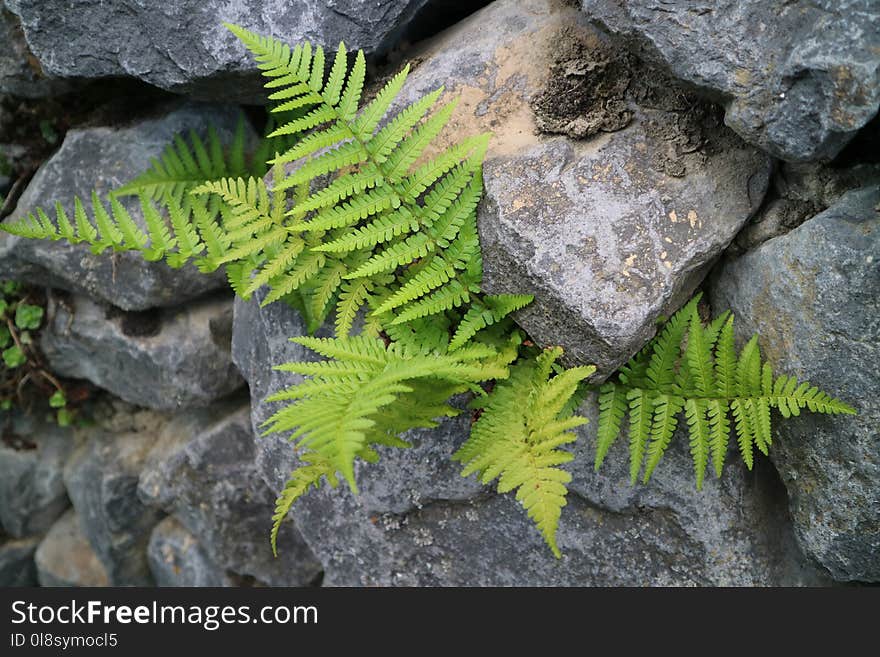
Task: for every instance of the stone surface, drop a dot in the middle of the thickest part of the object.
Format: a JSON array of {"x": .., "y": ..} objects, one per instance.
[
  {"x": 609, "y": 232},
  {"x": 813, "y": 297},
  {"x": 798, "y": 78},
  {"x": 32, "y": 458},
  {"x": 202, "y": 471},
  {"x": 177, "y": 559},
  {"x": 260, "y": 341},
  {"x": 17, "y": 567},
  {"x": 184, "y": 47},
  {"x": 102, "y": 479},
  {"x": 735, "y": 532},
  {"x": 800, "y": 191},
  {"x": 20, "y": 72},
  {"x": 65, "y": 558},
  {"x": 103, "y": 159},
  {"x": 418, "y": 523},
  {"x": 164, "y": 359}
]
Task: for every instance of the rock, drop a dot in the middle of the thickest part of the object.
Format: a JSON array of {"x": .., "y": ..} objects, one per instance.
[
  {"x": 800, "y": 191},
  {"x": 261, "y": 340},
  {"x": 65, "y": 558},
  {"x": 164, "y": 359},
  {"x": 20, "y": 72},
  {"x": 185, "y": 48},
  {"x": 103, "y": 159},
  {"x": 102, "y": 479},
  {"x": 177, "y": 559},
  {"x": 611, "y": 232},
  {"x": 17, "y": 566},
  {"x": 812, "y": 296},
  {"x": 734, "y": 533},
  {"x": 202, "y": 471},
  {"x": 798, "y": 79},
  {"x": 32, "y": 458},
  {"x": 418, "y": 523}
]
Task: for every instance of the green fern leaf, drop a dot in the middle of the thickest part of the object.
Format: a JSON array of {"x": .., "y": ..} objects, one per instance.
[{"x": 519, "y": 443}]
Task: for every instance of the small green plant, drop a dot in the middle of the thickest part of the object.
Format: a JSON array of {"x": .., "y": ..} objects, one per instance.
[
  {"x": 24, "y": 379},
  {"x": 367, "y": 223},
  {"x": 709, "y": 382}
]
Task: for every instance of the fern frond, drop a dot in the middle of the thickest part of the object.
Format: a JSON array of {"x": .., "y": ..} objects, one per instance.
[
  {"x": 518, "y": 437},
  {"x": 187, "y": 163},
  {"x": 301, "y": 481},
  {"x": 612, "y": 408},
  {"x": 339, "y": 414},
  {"x": 488, "y": 311},
  {"x": 711, "y": 383}
]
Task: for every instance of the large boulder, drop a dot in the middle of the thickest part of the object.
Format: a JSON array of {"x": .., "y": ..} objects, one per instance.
[
  {"x": 418, "y": 522},
  {"x": 177, "y": 559},
  {"x": 65, "y": 557},
  {"x": 17, "y": 567},
  {"x": 20, "y": 72},
  {"x": 813, "y": 297},
  {"x": 103, "y": 159},
  {"x": 102, "y": 480},
  {"x": 32, "y": 458},
  {"x": 609, "y": 230},
  {"x": 798, "y": 78},
  {"x": 202, "y": 471},
  {"x": 165, "y": 358},
  {"x": 185, "y": 47}
]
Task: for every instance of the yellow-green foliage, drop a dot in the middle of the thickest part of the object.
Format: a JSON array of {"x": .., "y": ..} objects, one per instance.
[
  {"x": 709, "y": 382},
  {"x": 364, "y": 220},
  {"x": 518, "y": 437}
]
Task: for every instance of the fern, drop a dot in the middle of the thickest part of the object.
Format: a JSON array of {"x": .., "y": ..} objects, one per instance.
[
  {"x": 710, "y": 383},
  {"x": 364, "y": 220},
  {"x": 518, "y": 437},
  {"x": 190, "y": 162},
  {"x": 351, "y": 400}
]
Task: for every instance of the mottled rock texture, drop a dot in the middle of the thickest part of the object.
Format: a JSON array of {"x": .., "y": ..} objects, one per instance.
[
  {"x": 65, "y": 557},
  {"x": 797, "y": 78},
  {"x": 17, "y": 567},
  {"x": 609, "y": 232},
  {"x": 165, "y": 359},
  {"x": 20, "y": 72},
  {"x": 177, "y": 559},
  {"x": 202, "y": 471},
  {"x": 184, "y": 47},
  {"x": 102, "y": 480},
  {"x": 812, "y": 296},
  {"x": 32, "y": 458}
]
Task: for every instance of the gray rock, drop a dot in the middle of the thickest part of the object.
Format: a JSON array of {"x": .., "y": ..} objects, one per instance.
[
  {"x": 164, "y": 359},
  {"x": 798, "y": 78},
  {"x": 812, "y": 296},
  {"x": 20, "y": 72},
  {"x": 260, "y": 340},
  {"x": 103, "y": 159},
  {"x": 202, "y": 471},
  {"x": 17, "y": 567},
  {"x": 177, "y": 559},
  {"x": 611, "y": 232},
  {"x": 417, "y": 522},
  {"x": 65, "y": 557},
  {"x": 735, "y": 532},
  {"x": 32, "y": 493},
  {"x": 102, "y": 479},
  {"x": 185, "y": 48},
  {"x": 800, "y": 191}
]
